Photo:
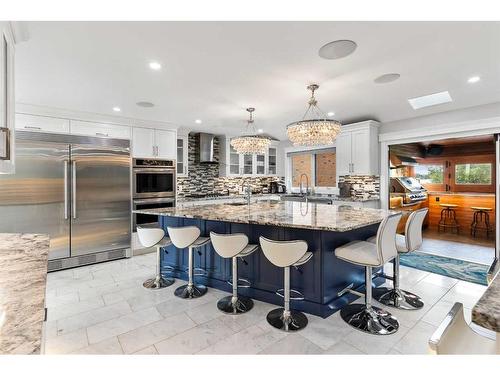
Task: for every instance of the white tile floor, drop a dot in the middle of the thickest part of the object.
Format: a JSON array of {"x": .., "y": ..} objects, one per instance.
[{"x": 103, "y": 309}]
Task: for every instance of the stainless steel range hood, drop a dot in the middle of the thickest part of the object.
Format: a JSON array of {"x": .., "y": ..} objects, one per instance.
[{"x": 205, "y": 143}]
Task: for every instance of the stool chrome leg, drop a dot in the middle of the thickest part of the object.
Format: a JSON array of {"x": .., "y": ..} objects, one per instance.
[
  {"x": 368, "y": 318},
  {"x": 396, "y": 297},
  {"x": 190, "y": 290},
  {"x": 235, "y": 304},
  {"x": 284, "y": 318},
  {"x": 159, "y": 281}
]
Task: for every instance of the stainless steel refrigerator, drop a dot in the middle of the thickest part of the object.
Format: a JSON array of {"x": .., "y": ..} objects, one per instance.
[{"x": 74, "y": 188}]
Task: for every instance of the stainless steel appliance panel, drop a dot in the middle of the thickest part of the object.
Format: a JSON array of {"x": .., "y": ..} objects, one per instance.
[
  {"x": 100, "y": 192},
  {"x": 36, "y": 198},
  {"x": 154, "y": 182},
  {"x": 143, "y": 204}
]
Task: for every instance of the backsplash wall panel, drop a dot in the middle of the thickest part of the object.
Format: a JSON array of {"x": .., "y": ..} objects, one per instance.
[
  {"x": 363, "y": 187},
  {"x": 204, "y": 178}
]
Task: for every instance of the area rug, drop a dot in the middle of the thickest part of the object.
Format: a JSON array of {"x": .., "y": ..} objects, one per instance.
[{"x": 456, "y": 268}]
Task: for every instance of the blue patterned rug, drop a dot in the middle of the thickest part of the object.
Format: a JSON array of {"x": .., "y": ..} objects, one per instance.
[{"x": 456, "y": 268}]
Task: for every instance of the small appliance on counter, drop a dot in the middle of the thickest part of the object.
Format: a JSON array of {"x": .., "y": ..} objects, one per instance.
[
  {"x": 344, "y": 189},
  {"x": 277, "y": 187}
]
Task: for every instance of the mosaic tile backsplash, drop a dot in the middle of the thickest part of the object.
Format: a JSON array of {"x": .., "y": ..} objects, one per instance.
[
  {"x": 204, "y": 178},
  {"x": 363, "y": 187}
]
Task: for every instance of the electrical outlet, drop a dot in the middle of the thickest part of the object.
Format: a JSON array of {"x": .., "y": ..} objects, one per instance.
[{"x": 437, "y": 199}]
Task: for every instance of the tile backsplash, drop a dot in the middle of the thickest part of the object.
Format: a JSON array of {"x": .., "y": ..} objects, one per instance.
[
  {"x": 204, "y": 178},
  {"x": 363, "y": 187}
]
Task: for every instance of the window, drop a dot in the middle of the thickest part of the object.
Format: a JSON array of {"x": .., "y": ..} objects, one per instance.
[
  {"x": 301, "y": 164},
  {"x": 429, "y": 173},
  {"x": 473, "y": 174},
  {"x": 326, "y": 174},
  {"x": 318, "y": 165}
]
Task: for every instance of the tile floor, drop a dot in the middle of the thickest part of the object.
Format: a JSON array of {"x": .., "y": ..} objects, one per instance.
[{"x": 103, "y": 309}]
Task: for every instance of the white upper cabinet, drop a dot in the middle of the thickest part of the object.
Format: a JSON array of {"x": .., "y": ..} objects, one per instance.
[
  {"x": 7, "y": 100},
  {"x": 234, "y": 164},
  {"x": 154, "y": 143},
  {"x": 143, "y": 143},
  {"x": 42, "y": 123},
  {"x": 182, "y": 156},
  {"x": 95, "y": 129},
  {"x": 357, "y": 149},
  {"x": 166, "y": 143}
]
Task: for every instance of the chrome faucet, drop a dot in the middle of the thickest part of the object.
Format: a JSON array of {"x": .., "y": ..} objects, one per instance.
[
  {"x": 248, "y": 192},
  {"x": 307, "y": 184}
]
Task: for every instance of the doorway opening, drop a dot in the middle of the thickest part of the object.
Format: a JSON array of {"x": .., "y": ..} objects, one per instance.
[{"x": 456, "y": 180}]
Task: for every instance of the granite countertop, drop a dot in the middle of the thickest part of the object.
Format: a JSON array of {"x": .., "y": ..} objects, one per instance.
[
  {"x": 23, "y": 275},
  {"x": 486, "y": 312},
  {"x": 278, "y": 195},
  {"x": 336, "y": 218}
]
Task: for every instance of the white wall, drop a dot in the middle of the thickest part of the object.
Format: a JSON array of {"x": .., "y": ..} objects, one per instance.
[{"x": 439, "y": 119}]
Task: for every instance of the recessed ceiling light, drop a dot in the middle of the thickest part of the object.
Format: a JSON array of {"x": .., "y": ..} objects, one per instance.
[
  {"x": 474, "y": 79},
  {"x": 145, "y": 104},
  {"x": 337, "y": 49},
  {"x": 260, "y": 130},
  {"x": 386, "y": 78},
  {"x": 117, "y": 109},
  {"x": 430, "y": 100},
  {"x": 155, "y": 65},
  {"x": 330, "y": 114},
  {"x": 198, "y": 121}
]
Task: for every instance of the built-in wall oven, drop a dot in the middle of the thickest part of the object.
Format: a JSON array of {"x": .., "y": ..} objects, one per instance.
[{"x": 153, "y": 178}]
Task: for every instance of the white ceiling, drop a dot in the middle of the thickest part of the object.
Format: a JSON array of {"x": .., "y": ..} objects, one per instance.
[{"x": 214, "y": 70}]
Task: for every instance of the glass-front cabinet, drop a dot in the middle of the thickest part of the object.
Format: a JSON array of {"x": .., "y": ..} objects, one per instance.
[
  {"x": 253, "y": 165},
  {"x": 182, "y": 156}
]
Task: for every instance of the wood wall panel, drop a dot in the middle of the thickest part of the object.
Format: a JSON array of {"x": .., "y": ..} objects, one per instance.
[{"x": 464, "y": 212}]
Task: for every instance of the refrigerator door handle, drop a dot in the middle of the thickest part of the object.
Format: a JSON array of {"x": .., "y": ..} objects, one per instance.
[
  {"x": 66, "y": 205},
  {"x": 73, "y": 188}
]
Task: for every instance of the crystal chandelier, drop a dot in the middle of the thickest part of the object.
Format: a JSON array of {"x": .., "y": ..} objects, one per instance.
[
  {"x": 250, "y": 143},
  {"x": 315, "y": 131}
]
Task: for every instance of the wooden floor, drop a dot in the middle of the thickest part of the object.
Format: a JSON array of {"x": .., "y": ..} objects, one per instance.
[{"x": 462, "y": 246}]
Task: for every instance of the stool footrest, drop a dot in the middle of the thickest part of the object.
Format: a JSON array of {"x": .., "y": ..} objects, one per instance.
[
  {"x": 299, "y": 296},
  {"x": 244, "y": 283}
]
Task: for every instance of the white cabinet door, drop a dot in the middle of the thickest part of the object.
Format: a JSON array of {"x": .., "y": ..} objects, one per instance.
[
  {"x": 272, "y": 161},
  {"x": 143, "y": 143},
  {"x": 234, "y": 162},
  {"x": 260, "y": 164},
  {"x": 95, "y": 129},
  {"x": 248, "y": 163},
  {"x": 7, "y": 99},
  {"x": 42, "y": 123},
  {"x": 166, "y": 144},
  {"x": 182, "y": 156},
  {"x": 343, "y": 154},
  {"x": 360, "y": 152}
]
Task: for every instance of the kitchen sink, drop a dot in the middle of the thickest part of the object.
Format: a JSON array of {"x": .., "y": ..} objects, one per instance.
[
  {"x": 302, "y": 198},
  {"x": 237, "y": 204}
]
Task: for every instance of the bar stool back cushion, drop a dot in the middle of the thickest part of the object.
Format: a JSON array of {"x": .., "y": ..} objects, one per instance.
[
  {"x": 283, "y": 253},
  {"x": 386, "y": 238},
  {"x": 183, "y": 237},
  {"x": 228, "y": 245},
  {"x": 150, "y": 236},
  {"x": 413, "y": 229}
]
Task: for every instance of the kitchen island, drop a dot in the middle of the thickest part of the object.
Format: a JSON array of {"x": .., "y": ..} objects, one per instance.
[
  {"x": 323, "y": 227},
  {"x": 23, "y": 275}
]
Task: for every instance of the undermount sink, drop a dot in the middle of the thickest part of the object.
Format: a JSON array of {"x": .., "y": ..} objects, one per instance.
[
  {"x": 303, "y": 198},
  {"x": 237, "y": 204}
]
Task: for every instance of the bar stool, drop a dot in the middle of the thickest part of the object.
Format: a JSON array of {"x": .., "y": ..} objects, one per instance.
[
  {"x": 481, "y": 215},
  {"x": 188, "y": 237},
  {"x": 365, "y": 317},
  {"x": 149, "y": 237},
  {"x": 233, "y": 246},
  {"x": 285, "y": 254},
  {"x": 448, "y": 217},
  {"x": 411, "y": 241}
]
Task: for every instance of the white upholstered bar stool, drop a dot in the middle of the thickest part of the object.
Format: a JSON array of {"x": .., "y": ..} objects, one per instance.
[
  {"x": 285, "y": 254},
  {"x": 188, "y": 237},
  {"x": 411, "y": 241},
  {"x": 455, "y": 336},
  {"x": 233, "y": 246},
  {"x": 149, "y": 237},
  {"x": 365, "y": 317}
]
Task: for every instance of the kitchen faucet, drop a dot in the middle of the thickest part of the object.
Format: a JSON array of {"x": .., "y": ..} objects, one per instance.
[
  {"x": 248, "y": 192},
  {"x": 307, "y": 184}
]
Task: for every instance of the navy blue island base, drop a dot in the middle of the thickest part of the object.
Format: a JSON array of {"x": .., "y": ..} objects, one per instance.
[{"x": 320, "y": 280}]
